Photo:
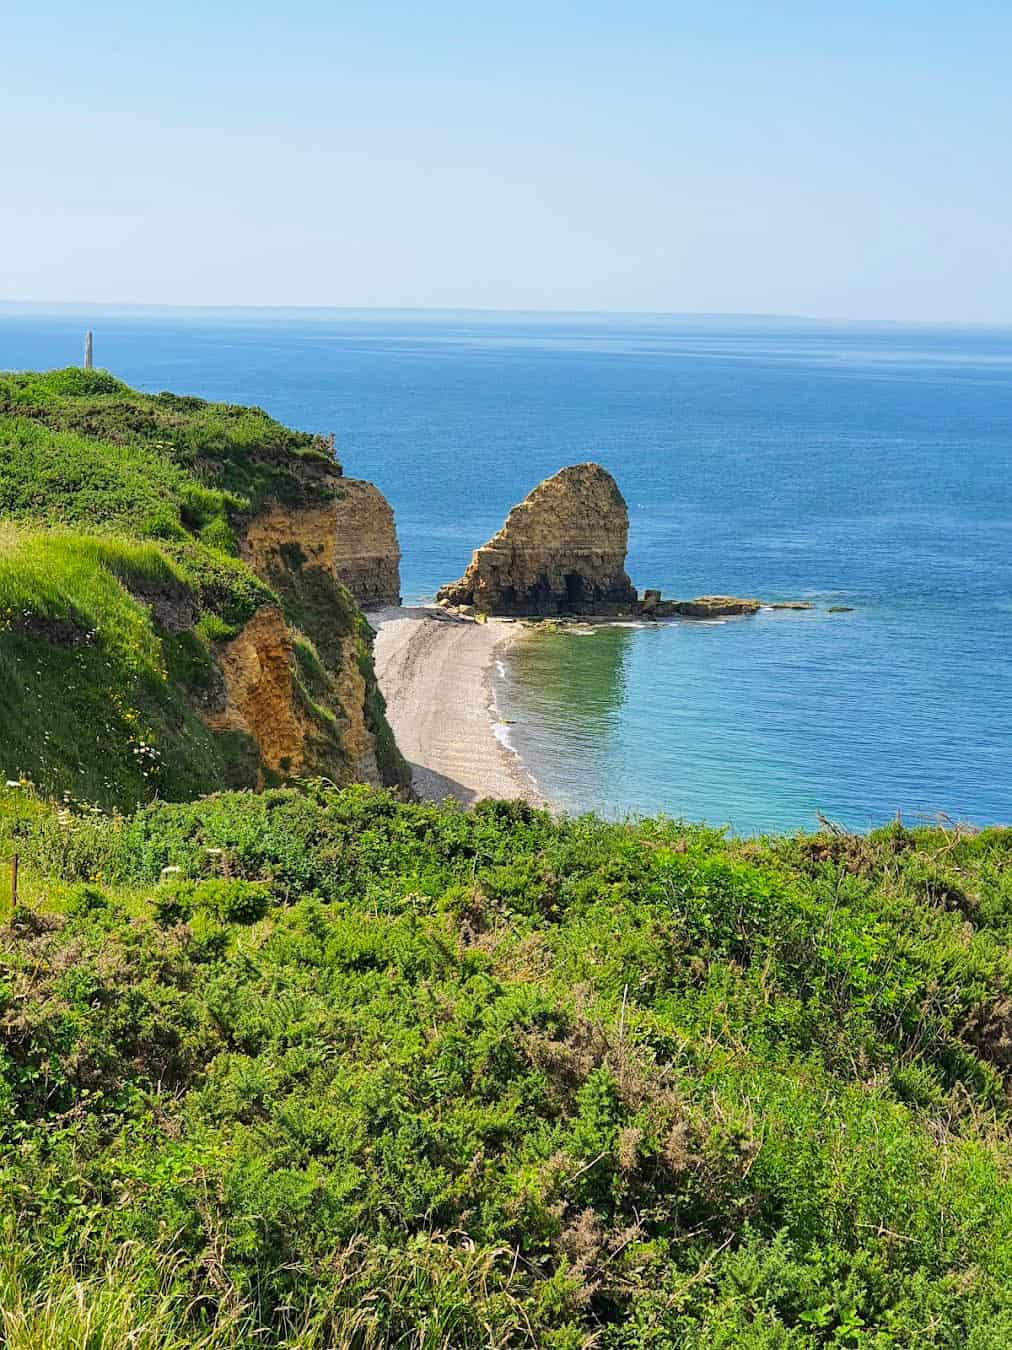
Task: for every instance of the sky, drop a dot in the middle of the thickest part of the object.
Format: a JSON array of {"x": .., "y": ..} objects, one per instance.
[{"x": 825, "y": 158}]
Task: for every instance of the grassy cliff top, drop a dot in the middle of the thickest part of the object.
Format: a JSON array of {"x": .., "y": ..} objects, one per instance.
[
  {"x": 80, "y": 446},
  {"x": 317, "y": 1069},
  {"x": 98, "y": 695}
]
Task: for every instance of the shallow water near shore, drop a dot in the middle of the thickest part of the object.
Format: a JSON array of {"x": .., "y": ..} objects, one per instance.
[
  {"x": 754, "y": 723},
  {"x": 859, "y": 465}
]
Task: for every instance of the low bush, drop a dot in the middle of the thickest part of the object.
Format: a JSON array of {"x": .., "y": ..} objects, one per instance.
[
  {"x": 228, "y": 900},
  {"x": 317, "y": 1068}
]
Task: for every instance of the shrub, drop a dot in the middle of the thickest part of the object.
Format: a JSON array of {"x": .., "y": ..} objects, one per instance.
[
  {"x": 228, "y": 900},
  {"x": 491, "y": 1077}
]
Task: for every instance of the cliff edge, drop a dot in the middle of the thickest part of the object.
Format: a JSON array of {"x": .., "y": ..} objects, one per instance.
[
  {"x": 178, "y": 587},
  {"x": 352, "y": 536}
]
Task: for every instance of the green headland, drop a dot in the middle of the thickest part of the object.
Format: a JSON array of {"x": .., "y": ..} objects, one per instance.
[{"x": 121, "y": 586}]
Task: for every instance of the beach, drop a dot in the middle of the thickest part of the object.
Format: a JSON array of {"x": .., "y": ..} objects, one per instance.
[{"x": 436, "y": 674}]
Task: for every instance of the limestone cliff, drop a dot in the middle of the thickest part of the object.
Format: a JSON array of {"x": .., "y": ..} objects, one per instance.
[
  {"x": 323, "y": 552},
  {"x": 562, "y": 550},
  {"x": 350, "y": 534},
  {"x": 182, "y": 596},
  {"x": 256, "y": 694},
  {"x": 266, "y": 694}
]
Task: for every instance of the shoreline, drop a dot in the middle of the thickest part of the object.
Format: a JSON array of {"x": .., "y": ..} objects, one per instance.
[
  {"x": 437, "y": 672},
  {"x": 437, "y": 675}
]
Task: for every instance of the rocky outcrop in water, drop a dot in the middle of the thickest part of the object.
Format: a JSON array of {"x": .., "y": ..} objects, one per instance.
[
  {"x": 703, "y": 607},
  {"x": 561, "y": 551},
  {"x": 561, "y": 554}
]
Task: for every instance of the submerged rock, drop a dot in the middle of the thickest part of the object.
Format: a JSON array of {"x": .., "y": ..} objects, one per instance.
[
  {"x": 561, "y": 551},
  {"x": 706, "y": 607}
]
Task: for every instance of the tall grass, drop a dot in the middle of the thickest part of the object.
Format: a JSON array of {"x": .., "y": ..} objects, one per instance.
[
  {"x": 90, "y": 705},
  {"x": 128, "y": 1302},
  {"x": 436, "y": 1295},
  {"x": 86, "y": 581}
]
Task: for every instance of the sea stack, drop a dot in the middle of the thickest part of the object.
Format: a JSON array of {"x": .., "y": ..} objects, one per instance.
[{"x": 561, "y": 551}]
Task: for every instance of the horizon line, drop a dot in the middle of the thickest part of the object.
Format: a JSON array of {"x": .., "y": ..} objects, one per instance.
[{"x": 140, "y": 306}]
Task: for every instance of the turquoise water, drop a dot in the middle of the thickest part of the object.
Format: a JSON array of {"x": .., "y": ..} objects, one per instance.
[{"x": 858, "y": 465}]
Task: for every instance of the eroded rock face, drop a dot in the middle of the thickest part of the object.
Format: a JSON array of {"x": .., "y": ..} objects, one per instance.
[
  {"x": 322, "y": 557},
  {"x": 257, "y": 696},
  {"x": 261, "y": 695},
  {"x": 366, "y": 554},
  {"x": 561, "y": 551},
  {"x": 353, "y": 537}
]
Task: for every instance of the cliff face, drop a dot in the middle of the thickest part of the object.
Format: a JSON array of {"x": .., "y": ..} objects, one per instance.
[
  {"x": 265, "y": 694},
  {"x": 351, "y": 536},
  {"x": 562, "y": 550},
  {"x": 366, "y": 555},
  {"x": 322, "y": 557},
  {"x": 256, "y": 694}
]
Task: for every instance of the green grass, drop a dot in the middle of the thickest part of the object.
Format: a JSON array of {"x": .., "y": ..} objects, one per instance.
[
  {"x": 46, "y": 1306},
  {"x": 98, "y": 701},
  {"x": 315, "y": 1068},
  {"x": 94, "y": 701},
  {"x": 213, "y": 459}
]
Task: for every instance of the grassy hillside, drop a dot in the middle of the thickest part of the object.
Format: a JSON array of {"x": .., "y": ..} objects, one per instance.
[
  {"x": 319, "y": 1069},
  {"x": 120, "y": 577},
  {"x": 96, "y": 699}
]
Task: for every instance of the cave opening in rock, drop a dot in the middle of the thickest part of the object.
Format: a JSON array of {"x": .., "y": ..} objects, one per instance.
[{"x": 574, "y": 588}]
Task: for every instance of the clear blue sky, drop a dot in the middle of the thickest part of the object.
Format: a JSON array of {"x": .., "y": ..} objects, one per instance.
[{"x": 827, "y": 158}]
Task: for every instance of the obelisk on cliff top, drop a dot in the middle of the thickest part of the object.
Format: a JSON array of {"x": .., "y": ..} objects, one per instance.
[{"x": 87, "y": 350}]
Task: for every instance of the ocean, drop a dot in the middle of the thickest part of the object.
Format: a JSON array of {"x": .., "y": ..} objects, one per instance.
[{"x": 858, "y": 465}]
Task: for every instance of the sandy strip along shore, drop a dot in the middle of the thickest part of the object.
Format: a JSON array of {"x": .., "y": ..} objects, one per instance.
[{"x": 436, "y": 676}]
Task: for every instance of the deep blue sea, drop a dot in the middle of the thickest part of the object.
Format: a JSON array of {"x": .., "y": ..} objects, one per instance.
[{"x": 859, "y": 465}]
